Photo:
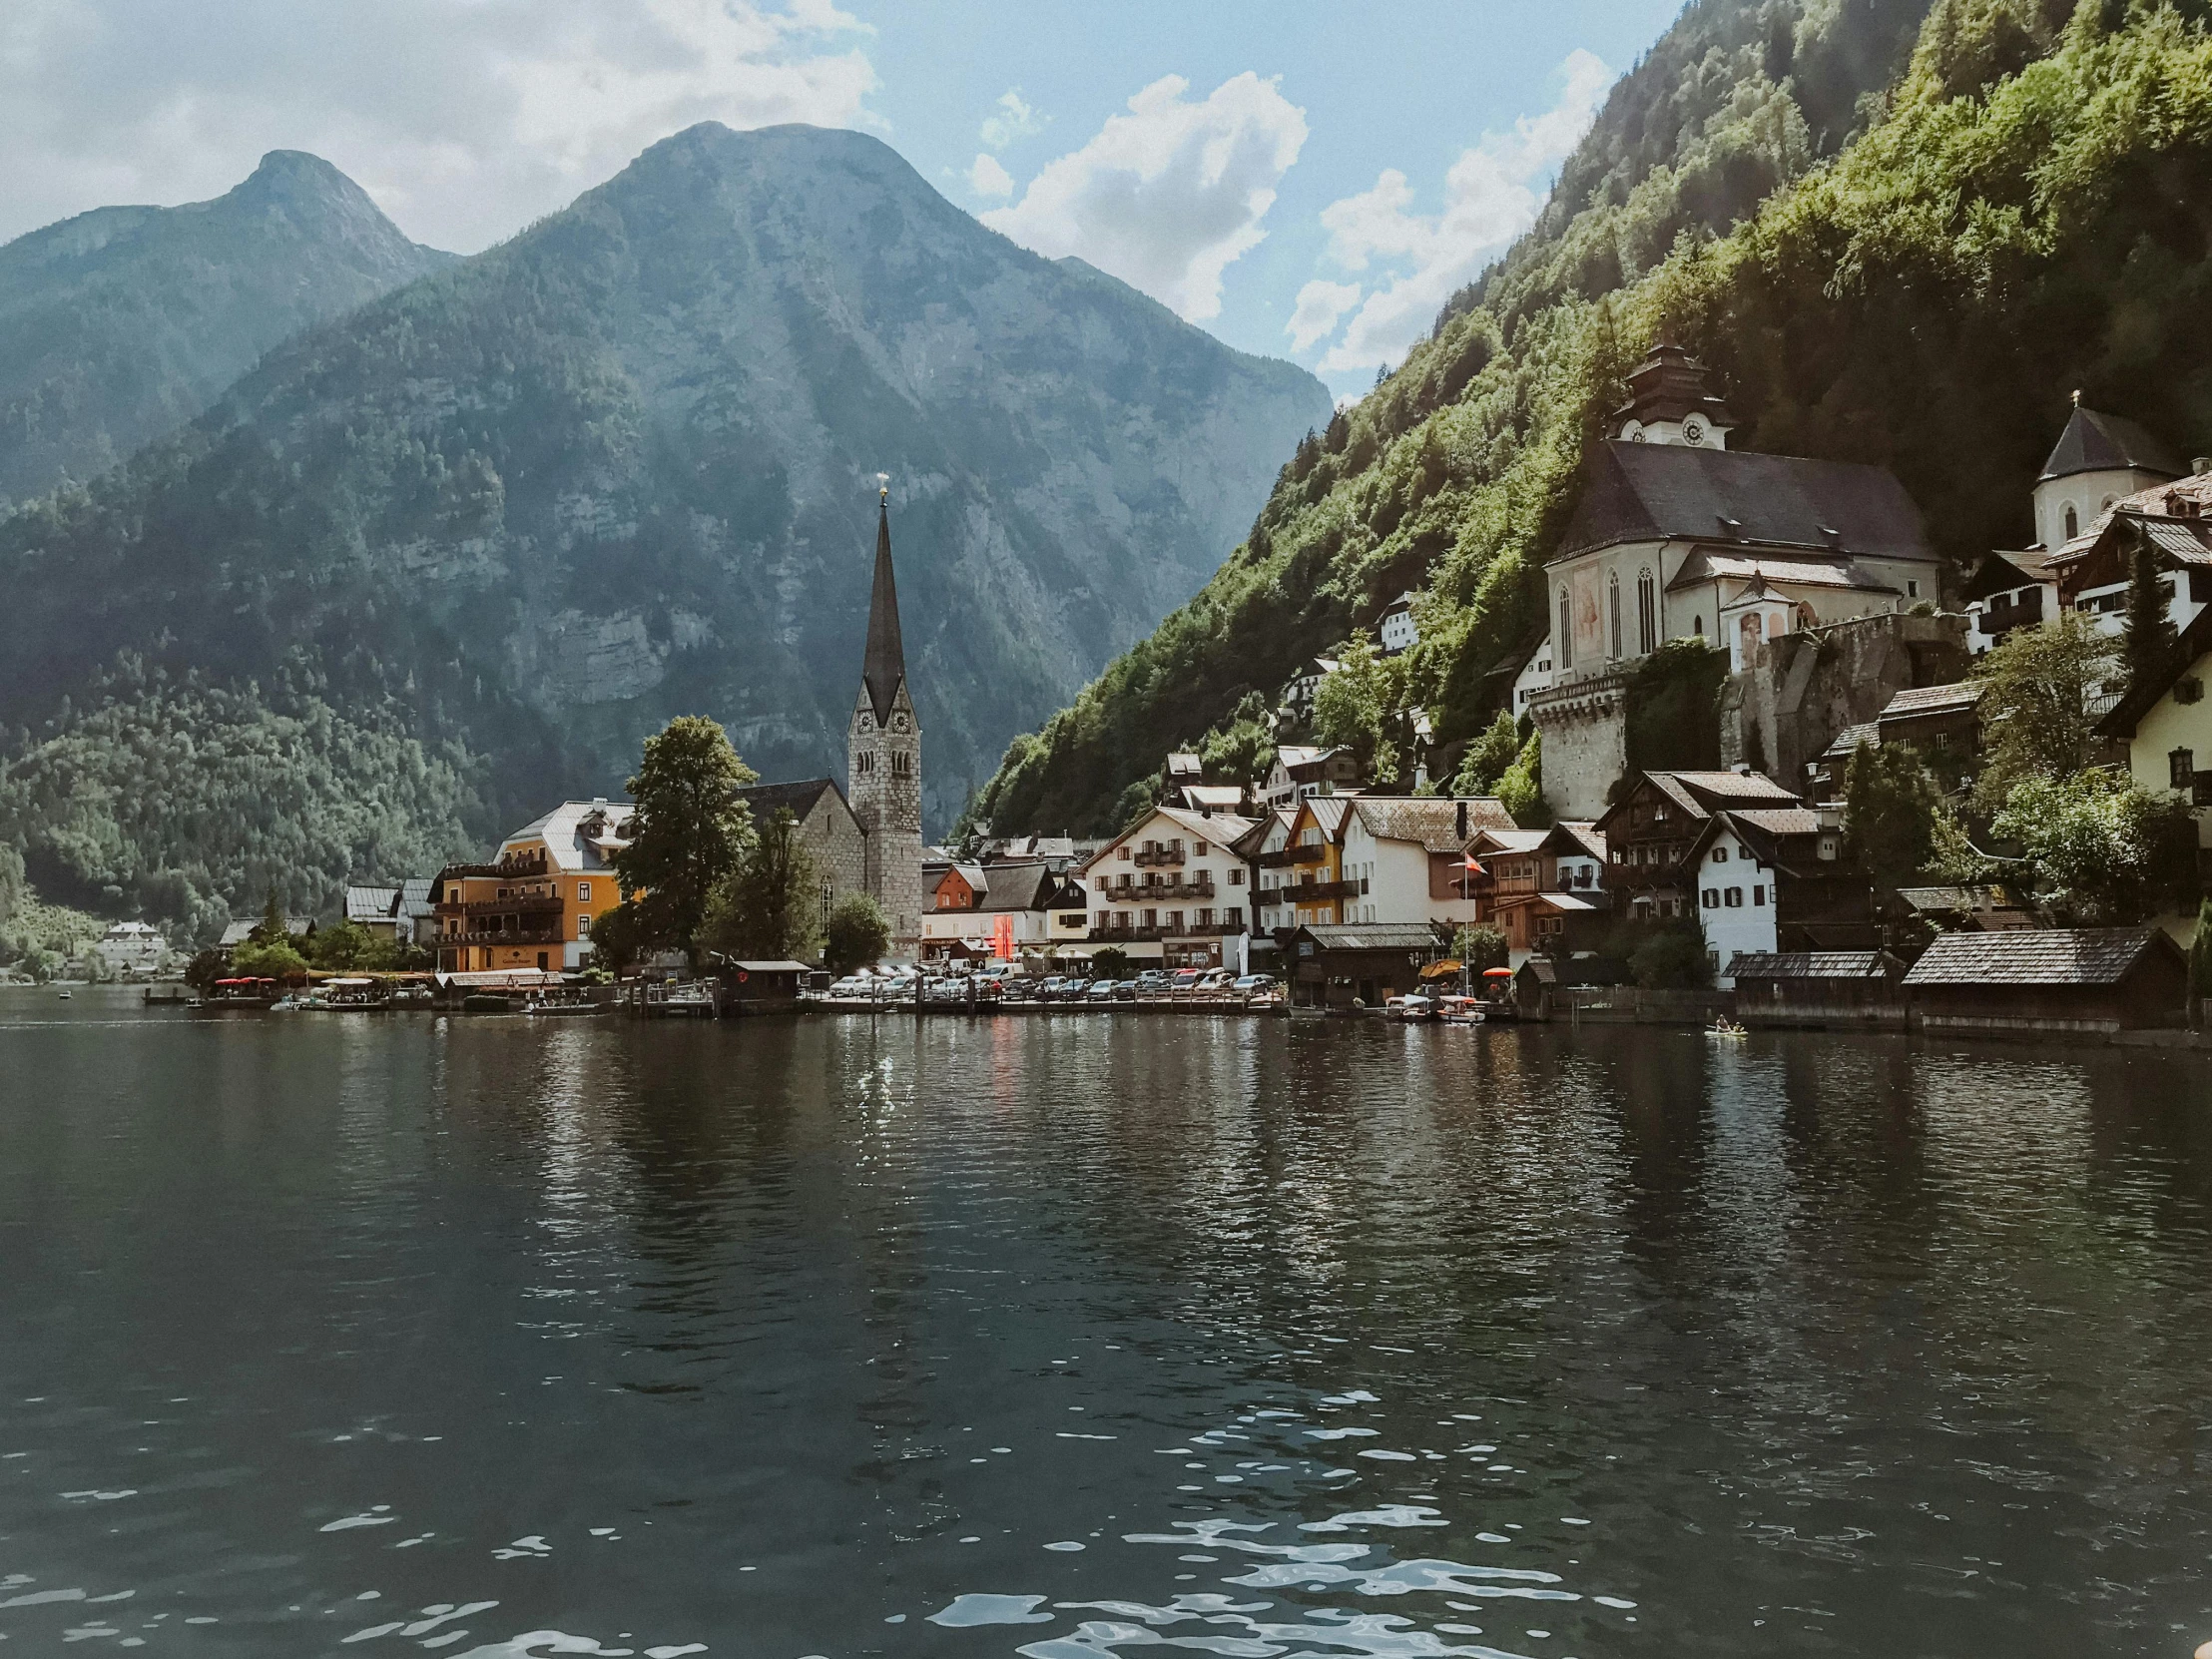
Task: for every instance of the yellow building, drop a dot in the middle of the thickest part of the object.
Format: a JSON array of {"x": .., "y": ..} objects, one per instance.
[
  {"x": 2167, "y": 726},
  {"x": 532, "y": 906},
  {"x": 1313, "y": 884}
]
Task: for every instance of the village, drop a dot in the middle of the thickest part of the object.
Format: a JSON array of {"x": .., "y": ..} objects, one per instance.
[{"x": 1731, "y": 884}]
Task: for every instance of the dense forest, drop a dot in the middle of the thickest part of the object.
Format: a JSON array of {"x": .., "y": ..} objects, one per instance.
[{"x": 1899, "y": 246}]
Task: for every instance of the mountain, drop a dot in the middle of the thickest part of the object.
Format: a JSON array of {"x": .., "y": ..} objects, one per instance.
[
  {"x": 1903, "y": 232},
  {"x": 459, "y": 550},
  {"x": 121, "y": 325}
]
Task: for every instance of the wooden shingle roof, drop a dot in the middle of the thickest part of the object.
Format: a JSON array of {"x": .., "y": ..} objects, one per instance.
[{"x": 2036, "y": 956}]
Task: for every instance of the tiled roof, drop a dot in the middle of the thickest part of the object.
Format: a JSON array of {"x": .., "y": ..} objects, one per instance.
[
  {"x": 1707, "y": 564},
  {"x": 1811, "y": 964},
  {"x": 1647, "y": 492},
  {"x": 1019, "y": 887},
  {"x": 797, "y": 797},
  {"x": 1701, "y": 793},
  {"x": 1585, "y": 838},
  {"x": 2098, "y": 442},
  {"x": 562, "y": 832},
  {"x": 2040, "y": 956},
  {"x": 1431, "y": 821},
  {"x": 1848, "y": 739},
  {"x": 369, "y": 903},
  {"x": 1933, "y": 700},
  {"x": 1778, "y": 821},
  {"x": 1374, "y": 935},
  {"x": 1954, "y": 898},
  {"x": 2182, "y": 539},
  {"x": 1509, "y": 841}
]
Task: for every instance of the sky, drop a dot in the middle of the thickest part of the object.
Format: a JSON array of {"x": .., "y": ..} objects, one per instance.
[{"x": 1304, "y": 180}]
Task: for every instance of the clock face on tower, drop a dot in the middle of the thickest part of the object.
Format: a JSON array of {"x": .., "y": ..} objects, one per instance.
[
  {"x": 900, "y": 723},
  {"x": 867, "y": 723}
]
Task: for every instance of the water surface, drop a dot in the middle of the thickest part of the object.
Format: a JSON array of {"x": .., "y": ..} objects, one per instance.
[{"x": 1078, "y": 1337}]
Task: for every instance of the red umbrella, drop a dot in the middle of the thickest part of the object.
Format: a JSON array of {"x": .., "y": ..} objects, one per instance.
[{"x": 1497, "y": 973}]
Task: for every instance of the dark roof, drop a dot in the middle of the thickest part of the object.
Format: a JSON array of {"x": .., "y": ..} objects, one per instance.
[
  {"x": 1374, "y": 935},
  {"x": 1019, "y": 887},
  {"x": 1813, "y": 964},
  {"x": 1954, "y": 901},
  {"x": 1670, "y": 384},
  {"x": 1917, "y": 701},
  {"x": 2140, "y": 697},
  {"x": 2096, "y": 443},
  {"x": 1432, "y": 821},
  {"x": 2002, "y": 571},
  {"x": 1850, "y": 738},
  {"x": 885, "y": 666},
  {"x": 798, "y": 799},
  {"x": 1670, "y": 493},
  {"x": 2036, "y": 956}
]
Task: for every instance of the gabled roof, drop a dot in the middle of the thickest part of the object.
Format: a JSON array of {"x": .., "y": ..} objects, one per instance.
[
  {"x": 1182, "y": 763},
  {"x": 1020, "y": 888},
  {"x": 2145, "y": 694},
  {"x": 1917, "y": 701},
  {"x": 1509, "y": 841},
  {"x": 1848, "y": 739},
  {"x": 1813, "y": 964},
  {"x": 1222, "y": 797},
  {"x": 797, "y": 798},
  {"x": 370, "y": 904},
  {"x": 2099, "y": 442},
  {"x": 414, "y": 896},
  {"x": 2037, "y": 957},
  {"x": 1290, "y": 755},
  {"x": 1330, "y": 813},
  {"x": 1954, "y": 901},
  {"x": 1576, "y": 838},
  {"x": 2000, "y": 571},
  {"x": 1431, "y": 821},
  {"x": 1637, "y": 492}
]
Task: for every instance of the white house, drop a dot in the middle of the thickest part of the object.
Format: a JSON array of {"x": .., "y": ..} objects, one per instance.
[
  {"x": 1407, "y": 856},
  {"x": 1303, "y": 771},
  {"x": 1735, "y": 898},
  {"x": 1397, "y": 627},
  {"x": 1263, "y": 847},
  {"x": 1172, "y": 890},
  {"x": 1536, "y": 676},
  {"x": 132, "y": 951}
]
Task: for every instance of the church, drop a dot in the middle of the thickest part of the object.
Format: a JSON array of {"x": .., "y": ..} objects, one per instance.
[{"x": 867, "y": 836}]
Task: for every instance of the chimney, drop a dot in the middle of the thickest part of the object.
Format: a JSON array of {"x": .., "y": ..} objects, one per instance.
[
  {"x": 2201, "y": 466},
  {"x": 1463, "y": 820}
]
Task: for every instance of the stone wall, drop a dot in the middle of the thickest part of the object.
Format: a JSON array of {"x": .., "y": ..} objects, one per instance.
[
  {"x": 1799, "y": 691},
  {"x": 1584, "y": 724}
]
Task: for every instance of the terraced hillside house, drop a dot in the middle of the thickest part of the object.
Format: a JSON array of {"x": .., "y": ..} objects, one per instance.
[
  {"x": 1649, "y": 835},
  {"x": 532, "y": 905},
  {"x": 1306, "y": 878},
  {"x": 1171, "y": 890},
  {"x": 1543, "y": 889},
  {"x": 1774, "y": 880},
  {"x": 2165, "y": 720},
  {"x": 1303, "y": 771}
]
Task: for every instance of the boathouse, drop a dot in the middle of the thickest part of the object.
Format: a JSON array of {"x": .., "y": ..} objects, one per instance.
[
  {"x": 1820, "y": 989},
  {"x": 2049, "y": 981}
]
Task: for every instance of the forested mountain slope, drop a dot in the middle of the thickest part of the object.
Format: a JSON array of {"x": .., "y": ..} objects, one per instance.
[
  {"x": 119, "y": 326},
  {"x": 2027, "y": 216},
  {"x": 455, "y": 553}
]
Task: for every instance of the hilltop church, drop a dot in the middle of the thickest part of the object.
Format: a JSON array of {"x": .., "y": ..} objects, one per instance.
[{"x": 867, "y": 836}]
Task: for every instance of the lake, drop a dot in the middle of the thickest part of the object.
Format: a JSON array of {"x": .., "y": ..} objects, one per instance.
[{"x": 1074, "y": 1337}]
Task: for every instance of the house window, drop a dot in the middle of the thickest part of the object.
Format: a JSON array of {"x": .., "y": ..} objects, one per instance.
[
  {"x": 1647, "y": 614},
  {"x": 1759, "y": 896},
  {"x": 1152, "y": 919},
  {"x": 1125, "y": 852},
  {"x": 2073, "y": 522},
  {"x": 1198, "y": 850},
  {"x": 583, "y": 928},
  {"x": 2181, "y": 768},
  {"x": 583, "y": 892},
  {"x": 1232, "y": 916},
  {"x": 1236, "y": 877},
  {"x": 1720, "y": 854},
  {"x": 1613, "y": 606},
  {"x": 1712, "y": 899},
  {"x": 1734, "y": 899},
  {"x": 1567, "y": 634},
  {"x": 1697, "y": 626}
]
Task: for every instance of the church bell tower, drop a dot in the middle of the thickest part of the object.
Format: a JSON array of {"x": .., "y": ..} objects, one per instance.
[{"x": 884, "y": 752}]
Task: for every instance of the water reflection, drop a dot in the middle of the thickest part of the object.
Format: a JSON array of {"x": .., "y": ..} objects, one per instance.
[{"x": 1079, "y": 1336}]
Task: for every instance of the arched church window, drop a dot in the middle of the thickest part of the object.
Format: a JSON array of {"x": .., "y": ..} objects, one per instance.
[
  {"x": 1647, "y": 614},
  {"x": 2073, "y": 522},
  {"x": 1613, "y": 612},
  {"x": 1566, "y": 632}
]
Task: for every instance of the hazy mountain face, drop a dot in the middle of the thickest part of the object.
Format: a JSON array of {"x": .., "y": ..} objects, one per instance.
[
  {"x": 119, "y": 326},
  {"x": 623, "y": 467}
]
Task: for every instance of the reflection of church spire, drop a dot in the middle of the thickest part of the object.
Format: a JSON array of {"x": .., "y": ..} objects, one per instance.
[{"x": 885, "y": 666}]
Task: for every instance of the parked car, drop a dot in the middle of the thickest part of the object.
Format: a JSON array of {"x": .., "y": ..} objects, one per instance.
[
  {"x": 1101, "y": 990},
  {"x": 1150, "y": 983},
  {"x": 1253, "y": 986},
  {"x": 1218, "y": 979},
  {"x": 1071, "y": 989}
]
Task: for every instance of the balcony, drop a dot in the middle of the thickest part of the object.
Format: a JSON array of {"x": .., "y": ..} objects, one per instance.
[
  {"x": 1160, "y": 855},
  {"x": 1313, "y": 893},
  {"x": 493, "y": 935},
  {"x": 534, "y": 904},
  {"x": 1152, "y": 935},
  {"x": 1293, "y": 855}
]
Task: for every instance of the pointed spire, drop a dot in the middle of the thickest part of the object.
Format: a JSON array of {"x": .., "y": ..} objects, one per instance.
[{"x": 884, "y": 667}]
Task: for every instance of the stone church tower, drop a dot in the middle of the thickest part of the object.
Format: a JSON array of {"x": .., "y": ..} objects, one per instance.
[{"x": 884, "y": 756}]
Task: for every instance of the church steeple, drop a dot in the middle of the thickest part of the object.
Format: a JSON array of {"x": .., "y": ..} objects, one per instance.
[{"x": 885, "y": 666}]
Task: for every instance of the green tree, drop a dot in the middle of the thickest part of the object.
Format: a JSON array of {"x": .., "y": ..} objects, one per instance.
[
  {"x": 1520, "y": 790},
  {"x": 275, "y": 926},
  {"x": 1890, "y": 800},
  {"x": 688, "y": 831},
  {"x": 1488, "y": 757},
  {"x": 1672, "y": 958},
  {"x": 769, "y": 908},
  {"x": 616, "y": 938},
  {"x": 1110, "y": 962},
  {"x": 2100, "y": 849},
  {"x": 2148, "y": 641},
  {"x": 347, "y": 947},
  {"x": 856, "y": 934},
  {"x": 1481, "y": 946},
  {"x": 2037, "y": 686},
  {"x": 1241, "y": 749},
  {"x": 257, "y": 960},
  {"x": 1352, "y": 707}
]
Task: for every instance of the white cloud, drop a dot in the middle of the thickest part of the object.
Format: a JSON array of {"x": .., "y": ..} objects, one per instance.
[
  {"x": 1319, "y": 307},
  {"x": 987, "y": 178},
  {"x": 466, "y": 119},
  {"x": 1490, "y": 195},
  {"x": 1015, "y": 119},
  {"x": 1169, "y": 195}
]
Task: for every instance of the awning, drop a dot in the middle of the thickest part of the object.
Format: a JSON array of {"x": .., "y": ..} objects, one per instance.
[{"x": 502, "y": 979}]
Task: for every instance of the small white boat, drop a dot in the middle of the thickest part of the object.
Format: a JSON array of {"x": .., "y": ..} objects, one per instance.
[
  {"x": 1726, "y": 1029},
  {"x": 65, "y": 993}
]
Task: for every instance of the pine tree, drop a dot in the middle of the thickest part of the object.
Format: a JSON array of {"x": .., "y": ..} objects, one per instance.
[{"x": 2148, "y": 642}]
